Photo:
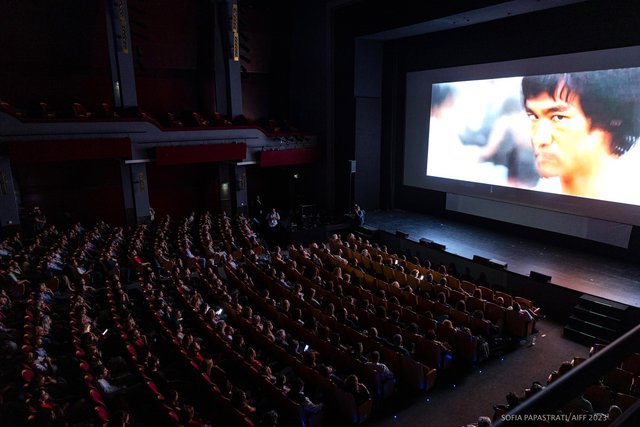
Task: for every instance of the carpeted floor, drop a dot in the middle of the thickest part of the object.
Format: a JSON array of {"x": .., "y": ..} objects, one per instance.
[{"x": 455, "y": 403}]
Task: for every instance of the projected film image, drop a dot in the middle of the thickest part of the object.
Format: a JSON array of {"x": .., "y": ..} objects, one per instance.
[{"x": 571, "y": 133}]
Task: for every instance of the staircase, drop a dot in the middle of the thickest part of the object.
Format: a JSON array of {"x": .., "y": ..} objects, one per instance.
[
  {"x": 596, "y": 320},
  {"x": 365, "y": 231}
]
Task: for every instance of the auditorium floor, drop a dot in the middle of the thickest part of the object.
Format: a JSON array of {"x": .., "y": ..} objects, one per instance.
[
  {"x": 579, "y": 270},
  {"x": 455, "y": 403}
]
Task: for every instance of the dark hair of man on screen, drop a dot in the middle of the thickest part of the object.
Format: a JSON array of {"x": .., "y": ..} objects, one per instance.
[{"x": 608, "y": 98}]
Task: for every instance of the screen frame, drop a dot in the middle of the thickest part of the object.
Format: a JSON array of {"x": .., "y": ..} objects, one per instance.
[{"x": 417, "y": 108}]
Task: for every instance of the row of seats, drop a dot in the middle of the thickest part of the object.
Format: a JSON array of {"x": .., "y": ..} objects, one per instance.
[
  {"x": 291, "y": 410},
  {"x": 599, "y": 404},
  {"x": 342, "y": 361},
  {"x": 75, "y": 111},
  {"x": 169, "y": 120},
  {"x": 479, "y": 298},
  {"x": 180, "y": 257},
  {"x": 456, "y": 289},
  {"x": 432, "y": 355}
]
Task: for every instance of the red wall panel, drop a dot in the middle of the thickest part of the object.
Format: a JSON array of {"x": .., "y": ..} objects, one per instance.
[
  {"x": 86, "y": 191},
  {"x": 179, "y": 189},
  {"x": 69, "y": 149}
]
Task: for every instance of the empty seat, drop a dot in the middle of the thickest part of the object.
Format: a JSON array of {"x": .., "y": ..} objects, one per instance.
[
  {"x": 487, "y": 294},
  {"x": 446, "y": 334},
  {"x": 619, "y": 380},
  {"x": 389, "y": 273},
  {"x": 107, "y": 111},
  {"x": 455, "y": 296},
  {"x": 416, "y": 375},
  {"x": 432, "y": 354},
  {"x": 474, "y": 304},
  {"x": 384, "y": 387},
  {"x": 632, "y": 364},
  {"x": 600, "y": 397},
  {"x": 494, "y": 313},
  {"x": 508, "y": 299},
  {"x": 79, "y": 111},
  {"x": 524, "y": 302},
  {"x": 517, "y": 325},
  {"x": 624, "y": 401},
  {"x": 200, "y": 121},
  {"x": 413, "y": 281},
  {"x": 440, "y": 309},
  {"x": 174, "y": 121},
  {"x": 9, "y": 109},
  {"x": 467, "y": 287},
  {"x": 481, "y": 327},
  {"x": 596, "y": 348},
  {"x": 349, "y": 408},
  {"x": 577, "y": 360},
  {"x": 46, "y": 111},
  {"x": 465, "y": 347},
  {"x": 459, "y": 318}
]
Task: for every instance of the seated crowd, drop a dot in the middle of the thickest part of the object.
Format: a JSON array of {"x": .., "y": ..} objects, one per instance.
[{"x": 193, "y": 322}]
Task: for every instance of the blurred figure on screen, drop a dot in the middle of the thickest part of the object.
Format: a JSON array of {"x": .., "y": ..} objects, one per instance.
[
  {"x": 448, "y": 157},
  {"x": 582, "y": 125},
  {"x": 509, "y": 144}
]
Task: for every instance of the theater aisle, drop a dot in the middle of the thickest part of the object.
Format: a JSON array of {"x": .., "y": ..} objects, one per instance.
[{"x": 458, "y": 403}]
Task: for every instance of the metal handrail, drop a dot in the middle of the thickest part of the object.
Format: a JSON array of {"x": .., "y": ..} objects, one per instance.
[{"x": 572, "y": 384}]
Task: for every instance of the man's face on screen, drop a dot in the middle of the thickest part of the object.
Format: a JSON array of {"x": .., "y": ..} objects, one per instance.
[{"x": 564, "y": 143}]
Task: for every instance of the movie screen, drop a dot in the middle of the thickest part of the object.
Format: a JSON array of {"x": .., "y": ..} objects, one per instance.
[
  {"x": 557, "y": 133},
  {"x": 569, "y": 133}
]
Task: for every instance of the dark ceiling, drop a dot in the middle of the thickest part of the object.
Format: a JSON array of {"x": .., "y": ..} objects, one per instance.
[{"x": 386, "y": 19}]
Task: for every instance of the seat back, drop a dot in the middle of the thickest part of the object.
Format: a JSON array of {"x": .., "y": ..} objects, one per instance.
[
  {"x": 474, "y": 303},
  {"x": 494, "y": 313},
  {"x": 517, "y": 325},
  {"x": 508, "y": 299},
  {"x": 465, "y": 347},
  {"x": 599, "y": 396},
  {"x": 632, "y": 364},
  {"x": 618, "y": 380},
  {"x": 487, "y": 294}
]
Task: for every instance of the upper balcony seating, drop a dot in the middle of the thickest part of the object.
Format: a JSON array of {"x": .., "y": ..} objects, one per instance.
[{"x": 80, "y": 112}]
